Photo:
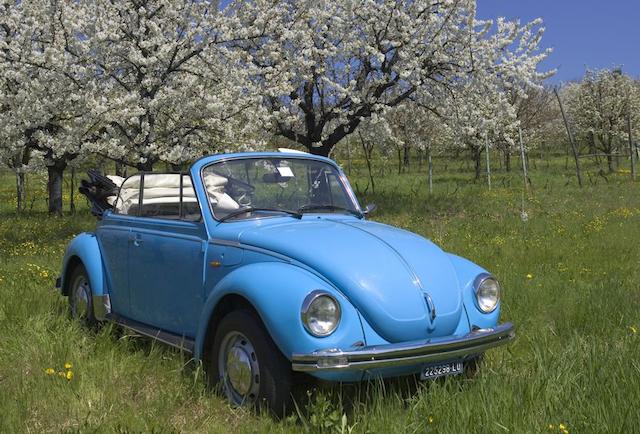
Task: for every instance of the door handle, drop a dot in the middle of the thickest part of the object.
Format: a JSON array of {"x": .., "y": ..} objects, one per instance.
[{"x": 136, "y": 239}]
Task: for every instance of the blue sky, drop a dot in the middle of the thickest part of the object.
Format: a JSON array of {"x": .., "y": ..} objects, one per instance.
[{"x": 583, "y": 33}]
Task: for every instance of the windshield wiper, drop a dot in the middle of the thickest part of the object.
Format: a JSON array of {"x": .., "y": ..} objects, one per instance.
[
  {"x": 248, "y": 209},
  {"x": 314, "y": 207}
]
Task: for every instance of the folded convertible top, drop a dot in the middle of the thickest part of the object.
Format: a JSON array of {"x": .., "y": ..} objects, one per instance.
[{"x": 98, "y": 189}]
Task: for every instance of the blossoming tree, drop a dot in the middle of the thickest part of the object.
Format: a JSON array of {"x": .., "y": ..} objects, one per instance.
[
  {"x": 43, "y": 90},
  {"x": 324, "y": 66},
  {"x": 166, "y": 88},
  {"x": 604, "y": 106}
]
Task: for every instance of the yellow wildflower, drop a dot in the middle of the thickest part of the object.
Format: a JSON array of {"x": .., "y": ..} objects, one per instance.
[
  {"x": 61, "y": 374},
  {"x": 633, "y": 329},
  {"x": 430, "y": 419},
  {"x": 529, "y": 276},
  {"x": 68, "y": 365},
  {"x": 551, "y": 426},
  {"x": 69, "y": 375},
  {"x": 562, "y": 427},
  {"x": 50, "y": 371}
]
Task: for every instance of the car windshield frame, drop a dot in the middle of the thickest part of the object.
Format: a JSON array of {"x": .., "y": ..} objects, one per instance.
[{"x": 349, "y": 195}]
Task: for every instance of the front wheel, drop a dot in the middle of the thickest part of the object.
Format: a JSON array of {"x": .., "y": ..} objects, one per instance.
[
  {"x": 81, "y": 297},
  {"x": 247, "y": 366}
]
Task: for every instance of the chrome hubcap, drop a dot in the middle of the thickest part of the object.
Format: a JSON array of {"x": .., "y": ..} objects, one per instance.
[
  {"x": 239, "y": 369},
  {"x": 81, "y": 298}
]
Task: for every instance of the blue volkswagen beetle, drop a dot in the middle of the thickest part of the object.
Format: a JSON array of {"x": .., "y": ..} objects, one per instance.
[{"x": 264, "y": 264}]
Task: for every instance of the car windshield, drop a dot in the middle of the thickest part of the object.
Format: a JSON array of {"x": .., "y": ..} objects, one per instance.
[{"x": 261, "y": 187}]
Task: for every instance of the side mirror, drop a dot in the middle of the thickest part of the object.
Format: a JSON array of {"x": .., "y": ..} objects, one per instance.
[{"x": 369, "y": 209}]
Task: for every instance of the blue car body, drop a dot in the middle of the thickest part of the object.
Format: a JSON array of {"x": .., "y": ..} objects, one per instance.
[{"x": 405, "y": 303}]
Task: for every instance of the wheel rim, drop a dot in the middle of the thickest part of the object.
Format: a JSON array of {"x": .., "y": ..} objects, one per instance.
[
  {"x": 80, "y": 305},
  {"x": 239, "y": 369}
]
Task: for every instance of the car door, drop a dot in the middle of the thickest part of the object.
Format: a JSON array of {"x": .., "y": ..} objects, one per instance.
[
  {"x": 113, "y": 235},
  {"x": 166, "y": 248}
]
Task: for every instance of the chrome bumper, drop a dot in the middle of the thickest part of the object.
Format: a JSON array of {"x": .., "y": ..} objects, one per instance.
[{"x": 406, "y": 353}]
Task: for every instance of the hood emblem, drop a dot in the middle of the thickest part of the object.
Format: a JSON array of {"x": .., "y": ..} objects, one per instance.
[{"x": 430, "y": 306}]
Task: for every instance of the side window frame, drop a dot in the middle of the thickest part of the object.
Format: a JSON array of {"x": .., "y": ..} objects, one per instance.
[{"x": 141, "y": 191}]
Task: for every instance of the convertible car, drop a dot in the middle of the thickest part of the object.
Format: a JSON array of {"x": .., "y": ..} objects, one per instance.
[{"x": 263, "y": 265}]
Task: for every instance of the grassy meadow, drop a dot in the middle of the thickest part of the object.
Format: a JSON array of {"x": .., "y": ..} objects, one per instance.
[{"x": 569, "y": 268}]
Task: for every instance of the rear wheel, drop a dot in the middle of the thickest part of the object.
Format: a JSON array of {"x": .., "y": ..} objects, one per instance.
[
  {"x": 247, "y": 366},
  {"x": 81, "y": 297}
]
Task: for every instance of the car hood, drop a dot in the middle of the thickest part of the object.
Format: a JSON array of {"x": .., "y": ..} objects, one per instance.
[{"x": 389, "y": 274}]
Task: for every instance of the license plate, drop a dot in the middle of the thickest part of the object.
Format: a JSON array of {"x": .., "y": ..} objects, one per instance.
[{"x": 441, "y": 370}]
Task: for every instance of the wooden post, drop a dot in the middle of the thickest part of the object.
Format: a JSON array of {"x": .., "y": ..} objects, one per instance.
[
  {"x": 349, "y": 157},
  {"x": 486, "y": 146},
  {"x": 631, "y": 150},
  {"x": 571, "y": 141},
  {"x": 430, "y": 171},
  {"x": 524, "y": 161}
]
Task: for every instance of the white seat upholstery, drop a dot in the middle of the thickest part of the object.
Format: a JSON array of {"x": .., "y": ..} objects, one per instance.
[
  {"x": 221, "y": 201},
  {"x": 165, "y": 188}
]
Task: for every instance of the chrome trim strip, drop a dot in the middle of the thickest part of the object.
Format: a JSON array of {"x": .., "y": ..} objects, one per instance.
[
  {"x": 406, "y": 353},
  {"x": 180, "y": 342}
]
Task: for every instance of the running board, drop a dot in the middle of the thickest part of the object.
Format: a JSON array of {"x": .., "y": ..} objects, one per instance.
[{"x": 180, "y": 342}]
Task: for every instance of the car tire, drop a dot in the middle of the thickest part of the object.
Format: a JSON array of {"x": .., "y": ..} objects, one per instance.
[
  {"x": 81, "y": 297},
  {"x": 247, "y": 367}
]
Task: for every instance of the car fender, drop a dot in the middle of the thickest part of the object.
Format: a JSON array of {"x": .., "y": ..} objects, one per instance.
[
  {"x": 276, "y": 290},
  {"x": 84, "y": 249},
  {"x": 467, "y": 272}
]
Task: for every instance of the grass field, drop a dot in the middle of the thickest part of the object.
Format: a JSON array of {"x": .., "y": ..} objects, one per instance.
[{"x": 571, "y": 276}]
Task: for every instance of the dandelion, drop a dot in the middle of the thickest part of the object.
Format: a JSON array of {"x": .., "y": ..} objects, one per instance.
[
  {"x": 552, "y": 426},
  {"x": 430, "y": 419},
  {"x": 529, "y": 276},
  {"x": 69, "y": 375},
  {"x": 68, "y": 365},
  {"x": 50, "y": 371},
  {"x": 633, "y": 329}
]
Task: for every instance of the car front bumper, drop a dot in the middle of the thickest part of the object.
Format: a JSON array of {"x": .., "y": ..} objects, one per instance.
[{"x": 405, "y": 353}]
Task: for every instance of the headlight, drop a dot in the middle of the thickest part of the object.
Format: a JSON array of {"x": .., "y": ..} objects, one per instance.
[
  {"x": 487, "y": 291},
  {"x": 320, "y": 313}
]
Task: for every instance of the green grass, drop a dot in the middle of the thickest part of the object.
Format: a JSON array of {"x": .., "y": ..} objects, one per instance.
[{"x": 575, "y": 360}]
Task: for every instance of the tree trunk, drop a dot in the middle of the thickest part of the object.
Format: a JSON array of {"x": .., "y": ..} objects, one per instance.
[
  {"x": 406, "y": 158},
  {"x": 477, "y": 153},
  {"x": 20, "y": 190},
  {"x": 399, "y": 161},
  {"x": 147, "y": 166},
  {"x": 72, "y": 202},
  {"x": 54, "y": 187},
  {"x": 121, "y": 170},
  {"x": 611, "y": 163},
  {"x": 507, "y": 161}
]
